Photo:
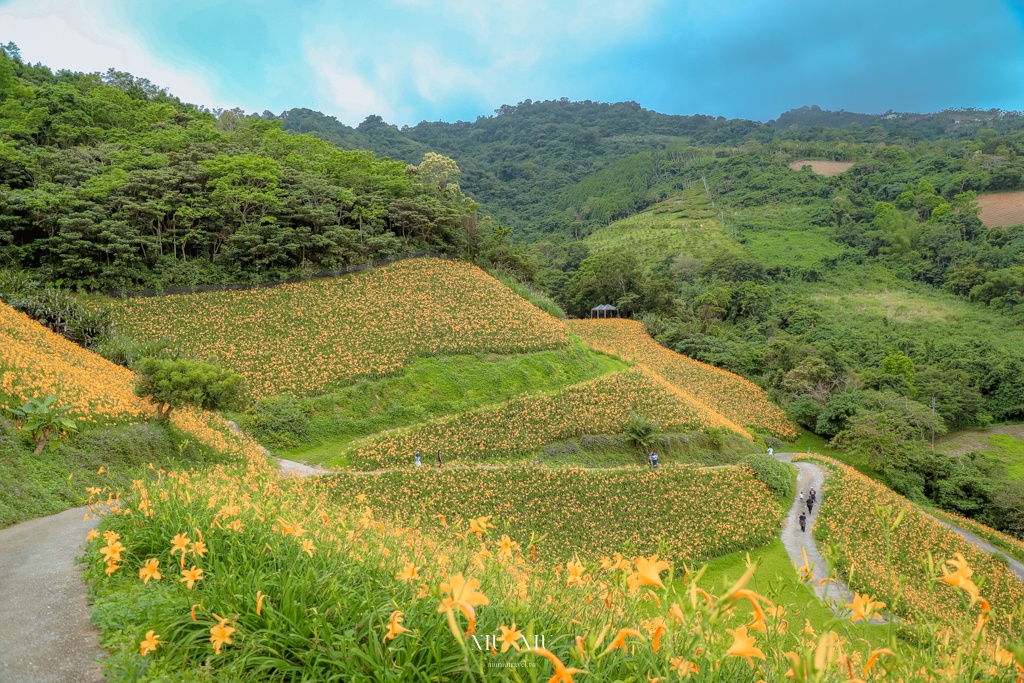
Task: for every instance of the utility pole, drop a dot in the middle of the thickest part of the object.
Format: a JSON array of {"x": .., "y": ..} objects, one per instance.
[
  {"x": 707, "y": 190},
  {"x": 933, "y": 422}
]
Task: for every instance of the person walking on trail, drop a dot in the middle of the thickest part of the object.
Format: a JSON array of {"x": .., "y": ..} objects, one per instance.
[
  {"x": 418, "y": 462},
  {"x": 440, "y": 463},
  {"x": 653, "y": 458},
  {"x": 814, "y": 496},
  {"x": 771, "y": 451},
  {"x": 803, "y": 522},
  {"x": 810, "y": 505}
]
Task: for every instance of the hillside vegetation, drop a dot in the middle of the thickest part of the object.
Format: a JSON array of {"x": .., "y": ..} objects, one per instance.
[
  {"x": 521, "y": 426},
  {"x": 857, "y": 515},
  {"x": 107, "y": 181},
  {"x": 315, "y": 429},
  {"x": 35, "y": 363},
  {"x": 688, "y": 513},
  {"x": 311, "y": 337},
  {"x": 738, "y": 400}
]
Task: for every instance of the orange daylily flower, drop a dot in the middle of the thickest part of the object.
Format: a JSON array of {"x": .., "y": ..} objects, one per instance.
[
  {"x": 961, "y": 577},
  {"x": 307, "y": 547},
  {"x": 562, "y": 674},
  {"x": 462, "y": 594},
  {"x": 574, "y": 569},
  {"x": 149, "y": 643},
  {"x": 619, "y": 641},
  {"x": 179, "y": 543},
  {"x": 743, "y": 645},
  {"x": 191, "y": 576},
  {"x": 410, "y": 573},
  {"x": 112, "y": 552},
  {"x": 220, "y": 635},
  {"x": 863, "y": 607},
  {"x": 683, "y": 667},
  {"x": 480, "y": 525},
  {"x": 875, "y": 654},
  {"x": 395, "y": 627},
  {"x": 260, "y": 596},
  {"x": 150, "y": 570},
  {"x": 510, "y": 637},
  {"x": 648, "y": 572}
]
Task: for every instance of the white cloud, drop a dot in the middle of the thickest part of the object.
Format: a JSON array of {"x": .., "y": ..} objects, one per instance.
[
  {"x": 85, "y": 35},
  {"x": 341, "y": 84},
  {"x": 463, "y": 49}
]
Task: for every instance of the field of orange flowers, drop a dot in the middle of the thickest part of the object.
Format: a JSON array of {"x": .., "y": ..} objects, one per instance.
[
  {"x": 736, "y": 398},
  {"x": 35, "y": 363},
  {"x": 858, "y": 514},
  {"x": 520, "y": 426},
  {"x": 699, "y": 512},
  {"x": 235, "y": 574},
  {"x": 305, "y": 338}
]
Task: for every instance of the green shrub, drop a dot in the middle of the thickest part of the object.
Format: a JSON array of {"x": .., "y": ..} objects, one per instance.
[
  {"x": 278, "y": 421},
  {"x": 772, "y": 473}
]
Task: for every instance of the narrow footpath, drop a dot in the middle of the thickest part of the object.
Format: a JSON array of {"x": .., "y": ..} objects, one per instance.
[
  {"x": 811, "y": 476},
  {"x": 49, "y": 637},
  {"x": 981, "y": 544}
]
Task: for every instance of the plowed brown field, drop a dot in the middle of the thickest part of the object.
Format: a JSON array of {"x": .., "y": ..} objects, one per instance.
[
  {"x": 827, "y": 168},
  {"x": 1001, "y": 209}
]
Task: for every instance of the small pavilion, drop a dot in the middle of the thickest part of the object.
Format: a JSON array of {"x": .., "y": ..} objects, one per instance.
[{"x": 604, "y": 311}]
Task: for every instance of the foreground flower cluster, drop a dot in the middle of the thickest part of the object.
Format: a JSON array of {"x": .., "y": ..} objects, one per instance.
[
  {"x": 304, "y": 338},
  {"x": 874, "y": 530},
  {"x": 35, "y": 362},
  {"x": 696, "y": 512},
  {"x": 737, "y": 399},
  {"x": 521, "y": 426},
  {"x": 243, "y": 575}
]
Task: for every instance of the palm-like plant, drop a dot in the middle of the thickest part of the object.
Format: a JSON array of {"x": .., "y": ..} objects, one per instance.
[
  {"x": 45, "y": 421},
  {"x": 641, "y": 432}
]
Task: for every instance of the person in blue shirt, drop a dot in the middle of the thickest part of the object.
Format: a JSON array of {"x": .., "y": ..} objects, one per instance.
[
  {"x": 653, "y": 458},
  {"x": 418, "y": 463}
]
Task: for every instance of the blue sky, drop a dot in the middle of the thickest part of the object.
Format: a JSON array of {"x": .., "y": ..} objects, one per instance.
[{"x": 410, "y": 60}]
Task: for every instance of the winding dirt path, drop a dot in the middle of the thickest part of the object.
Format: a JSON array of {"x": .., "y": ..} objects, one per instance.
[{"x": 48, "y": 636}]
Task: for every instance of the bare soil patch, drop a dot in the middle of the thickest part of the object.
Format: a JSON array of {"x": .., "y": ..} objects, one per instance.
[
  {"x": 826, "y": 168},
  {"x": 1001, "y": 209}
]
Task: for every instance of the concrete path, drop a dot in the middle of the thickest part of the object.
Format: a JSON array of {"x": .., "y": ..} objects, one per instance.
[
  {"x": 48, "y": 636},
  {"x": 980, "y": 543},
  {"x": 833, "y": 593}
]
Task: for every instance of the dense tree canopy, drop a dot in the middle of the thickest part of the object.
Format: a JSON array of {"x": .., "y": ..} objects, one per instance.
[{"x": 109, "y": 181}]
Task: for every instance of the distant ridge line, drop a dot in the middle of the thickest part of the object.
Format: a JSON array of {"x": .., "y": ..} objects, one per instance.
[{"x": 320, "y": 274}]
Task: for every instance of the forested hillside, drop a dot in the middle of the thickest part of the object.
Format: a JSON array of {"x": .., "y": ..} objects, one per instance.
[{"x": 109, "y": 181}]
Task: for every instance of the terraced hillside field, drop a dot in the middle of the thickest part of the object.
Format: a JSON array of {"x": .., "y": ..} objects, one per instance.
[
  {"x": 736, "y": 399},
  {"x": 698, "y": 512},
  {"x": 35, "y": 363},
  {"x": 520, "y": 426},
  {"x": 305, "y": 338}
]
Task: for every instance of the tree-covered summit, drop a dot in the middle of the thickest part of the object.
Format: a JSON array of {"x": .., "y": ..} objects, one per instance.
[{"x": 109, "y": 181}]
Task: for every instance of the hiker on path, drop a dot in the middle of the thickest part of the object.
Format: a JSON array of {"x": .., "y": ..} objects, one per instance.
[
  {"x": 771, "y": 451},
  {"x": 814, "y": 496},
  {"x": 418, "y": 463},
  {"x": 810, "y": 505},
  {"x": 803, "y": 522},
  {"x": 653, "y": 458},
  {"x": 440, "y": 463}
]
